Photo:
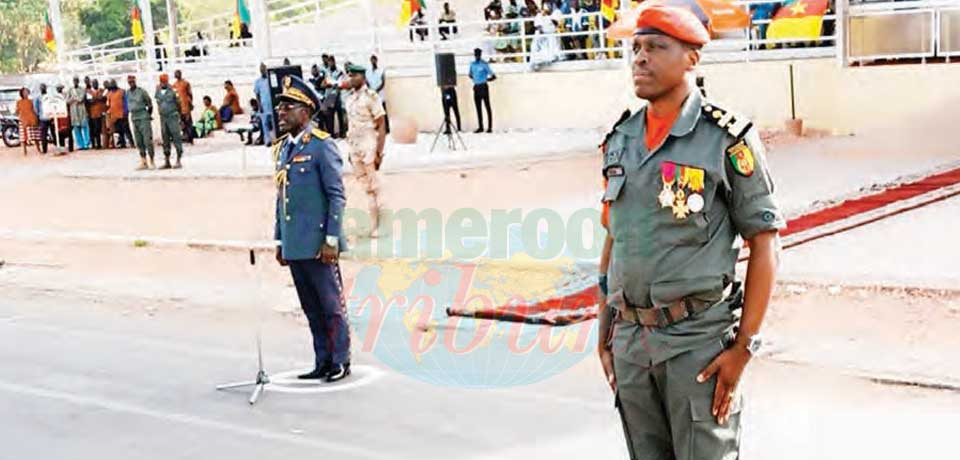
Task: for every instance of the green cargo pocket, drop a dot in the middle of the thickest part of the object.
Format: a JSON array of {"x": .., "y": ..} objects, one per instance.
[{"x": 710, "y": 440}]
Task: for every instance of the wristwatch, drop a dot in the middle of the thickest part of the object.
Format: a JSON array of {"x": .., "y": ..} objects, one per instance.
[
  {"x": 754, "y": 344},
  {"x": 602, "y": 283},
  {"x": 332, "y": 241}
]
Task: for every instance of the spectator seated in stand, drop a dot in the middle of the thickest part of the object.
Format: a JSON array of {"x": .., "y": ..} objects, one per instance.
[
  {"x": 448, "y": 17},
  {"x": 254, "y": 125},
  {"x": 209, "y": 120}
]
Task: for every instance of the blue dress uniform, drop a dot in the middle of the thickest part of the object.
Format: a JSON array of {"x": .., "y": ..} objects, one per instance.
[{"x": 309, "y": 213}]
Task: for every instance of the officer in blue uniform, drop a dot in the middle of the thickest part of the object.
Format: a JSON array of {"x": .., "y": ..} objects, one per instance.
[{"x": 309, "y": 216}]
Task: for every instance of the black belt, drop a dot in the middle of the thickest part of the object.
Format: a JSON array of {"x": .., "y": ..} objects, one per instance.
[{"x": 673, "y": 312}]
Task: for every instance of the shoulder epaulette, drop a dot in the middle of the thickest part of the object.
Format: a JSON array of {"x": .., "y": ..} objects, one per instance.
[
  {"x": 320, "y": 134},
  {"x": 623, "y": 117},
  {"x": 736, "y": 125}
]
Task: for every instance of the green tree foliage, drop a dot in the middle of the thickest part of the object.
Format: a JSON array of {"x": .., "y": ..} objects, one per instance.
[
  {"x": 108, "y": 20},
  {"x": 21, "y": 35}
]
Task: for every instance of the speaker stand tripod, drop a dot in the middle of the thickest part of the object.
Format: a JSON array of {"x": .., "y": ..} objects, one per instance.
[
  {"x": 259, "y": 384},
  {"x": 446, "y": 129}
]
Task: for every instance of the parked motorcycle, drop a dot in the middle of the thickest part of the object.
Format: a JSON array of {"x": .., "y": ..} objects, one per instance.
[{"x": 10, "y": 129}]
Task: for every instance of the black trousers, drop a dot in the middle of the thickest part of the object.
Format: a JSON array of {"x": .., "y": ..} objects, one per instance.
[
  {"x": 96, "y": 133},
  {"x": 186, "y": 127},
  {"x": 386, "y": 118},
  {"x": 122, "y": 128},
  {"x": 450, "y": 102},
  {"x": 481, "y": 95},
  {"x": 46, "y": 132},
  {"x": 320, "y": 289}
]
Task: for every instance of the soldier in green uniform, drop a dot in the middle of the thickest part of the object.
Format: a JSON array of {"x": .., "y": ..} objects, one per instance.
[
  {"x": 685, "y": 181},
  {"x": 141, "y": 112},
  {"x": 168, "y": 104}
]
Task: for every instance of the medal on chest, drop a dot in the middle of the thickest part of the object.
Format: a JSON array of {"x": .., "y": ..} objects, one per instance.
[{"x": 689, "y": 182}]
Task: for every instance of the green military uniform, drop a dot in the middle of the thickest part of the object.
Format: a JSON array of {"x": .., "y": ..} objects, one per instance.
[
  {"x": 168, "y": 104},
  {"x": 675, "y": 217},
  {"x": 140, "y": 107}
]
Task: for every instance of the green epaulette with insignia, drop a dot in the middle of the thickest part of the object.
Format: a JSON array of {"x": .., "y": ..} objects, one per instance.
[
  {"x": 623, "y": 117},
  {"x": 736, "y": 125}
]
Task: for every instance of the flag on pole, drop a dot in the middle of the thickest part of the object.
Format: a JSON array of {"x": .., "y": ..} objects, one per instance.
[
  {"x": 136, "y": 25},
  {"x": 407, "y": 10},
  {"x": 48, "y": 36},
  {"x": 608, "y": 8},
  {"x": 798, "y": 19},
  {"x": 241, "y": 15}
]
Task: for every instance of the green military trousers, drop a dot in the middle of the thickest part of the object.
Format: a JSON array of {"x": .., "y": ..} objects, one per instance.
[
  {"x": 143, "y": 134},
  {"x": 666, "y": 414},
  {"x": 170, "y": 132}
]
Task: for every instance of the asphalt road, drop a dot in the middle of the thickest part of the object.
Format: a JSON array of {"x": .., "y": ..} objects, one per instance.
[{"x": 85, "y": 378}]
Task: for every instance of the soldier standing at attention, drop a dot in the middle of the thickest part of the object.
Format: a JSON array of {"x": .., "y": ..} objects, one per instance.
[
  {"x": 366, "y": 137},
  {"x": 141, "y": 112},
  {"x": 168, "y": 104},
  {"x": 309, "y": 219},
  {"x": 684, "y": 179}
]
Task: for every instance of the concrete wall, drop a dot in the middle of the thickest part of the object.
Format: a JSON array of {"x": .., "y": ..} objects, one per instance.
[{"x": 840, "y": 100}]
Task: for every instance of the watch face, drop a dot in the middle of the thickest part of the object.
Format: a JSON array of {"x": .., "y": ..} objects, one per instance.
[{"x": 755, "y": 344}]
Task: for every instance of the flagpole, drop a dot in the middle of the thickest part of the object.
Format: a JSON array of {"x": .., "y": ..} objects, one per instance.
[
  {"x": 57, "y": 27},
  {"x": 174, "y": 40},
  {"x": 146, "y": 19}
]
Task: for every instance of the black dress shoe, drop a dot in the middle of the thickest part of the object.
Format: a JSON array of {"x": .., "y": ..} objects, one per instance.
[
  {"x": 317, "y": 373},
  {"x": 478, "y": 131},
  {"x": 338, "y": 372}
]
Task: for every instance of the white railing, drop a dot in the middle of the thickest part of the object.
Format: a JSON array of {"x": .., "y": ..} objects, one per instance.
[
  {"x": 510, "y": 51},
  {"x": 930, "y": 18}
]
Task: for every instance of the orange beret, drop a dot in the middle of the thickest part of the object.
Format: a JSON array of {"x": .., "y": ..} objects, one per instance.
[
  {"x": 677, "y": 22},
  {"x": 164, "y": 78}
]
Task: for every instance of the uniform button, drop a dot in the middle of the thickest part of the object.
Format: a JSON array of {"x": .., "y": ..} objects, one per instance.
[
  {"x": 288, "y": 166},
  {"x": 768, "y": 216},
  {"x": 303, "y": 170},
  {"x": 288, "y": 218},
  {"x": 286, "y": 200}
]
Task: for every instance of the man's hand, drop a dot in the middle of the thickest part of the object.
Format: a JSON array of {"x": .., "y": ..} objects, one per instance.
[
  {"x": 280, "y": 260},
  {"x": 328, "y": 254},
  {"x": 728, "y": 367},
  {"x": 606, "y": 354}
]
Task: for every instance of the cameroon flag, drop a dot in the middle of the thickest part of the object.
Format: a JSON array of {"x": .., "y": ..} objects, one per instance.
[
  {"x": 407, "y": 10},
  {"x": 48, "y": 37},
  {"x": 608, "y": 8},
  {"x": 136, "y": 25},
  {"x": 798, "y": 19}
]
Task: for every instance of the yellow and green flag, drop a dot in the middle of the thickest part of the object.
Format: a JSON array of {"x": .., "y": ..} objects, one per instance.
[
  {"x": 798, "y": 19},
  {"x": 241, "y": 15}
]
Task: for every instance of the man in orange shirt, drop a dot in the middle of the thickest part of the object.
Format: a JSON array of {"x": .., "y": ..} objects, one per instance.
[
  {"x": 231, "y": 101},
  {"x": 98, "y": 106},
  {"x": 115, "y": 115},
  {"x": 185, "y": 92}
]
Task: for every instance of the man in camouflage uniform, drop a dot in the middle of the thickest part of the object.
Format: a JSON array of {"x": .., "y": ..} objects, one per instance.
[
  {"x": 685, "y": 180},
  {"x": 168, "y": 104},
  {"x": 366, "y": 138}
]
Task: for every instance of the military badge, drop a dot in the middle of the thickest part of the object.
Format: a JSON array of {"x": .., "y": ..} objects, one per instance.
[
  {"x": 741, "y": 157},
  {"x": 287, "y": 81},
  {"x": 301, "y": 159}
]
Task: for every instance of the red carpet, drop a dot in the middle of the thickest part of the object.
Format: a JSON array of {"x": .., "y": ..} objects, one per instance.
[{"x": 581, "y": 305}]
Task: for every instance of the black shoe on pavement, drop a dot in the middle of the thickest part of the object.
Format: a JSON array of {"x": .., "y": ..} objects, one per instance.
[
  {"x": 338, "y": 372},
  {"x": 478, "y": 131},
  {"x": 317, "y": 373}
]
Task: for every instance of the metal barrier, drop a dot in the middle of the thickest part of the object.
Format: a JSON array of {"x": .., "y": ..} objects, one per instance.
[{"x": 870, "y": 31}]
